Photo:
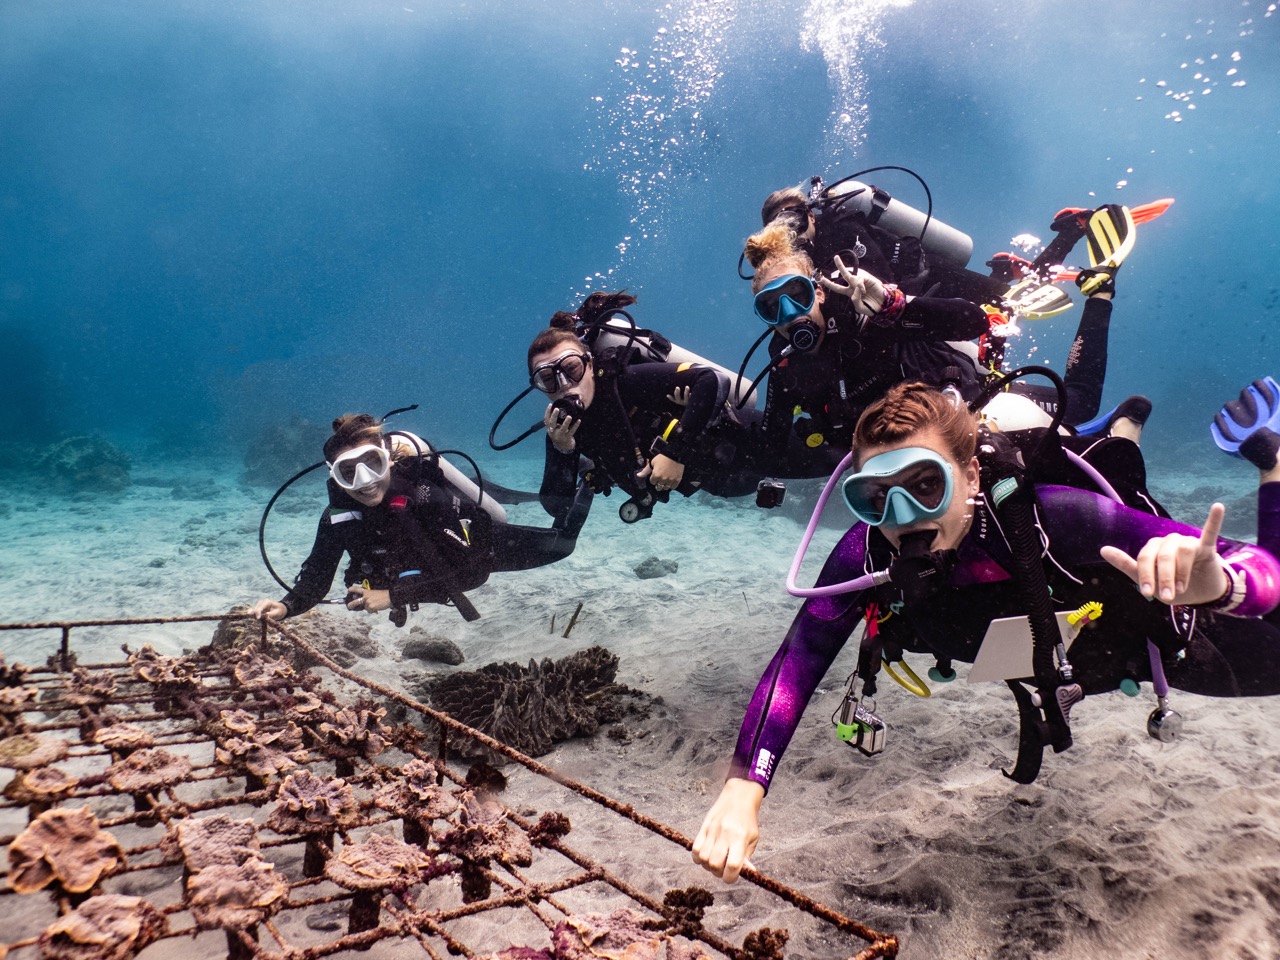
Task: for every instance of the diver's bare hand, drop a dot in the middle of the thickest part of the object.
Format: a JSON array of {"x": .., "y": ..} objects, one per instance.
[
  {"x": 561, "y": 428},
  {"x": 1178, "y": 568},
  {"x": 662, "y": 472},
  {"x": 679, "y": 396},
  {"x": 368, "y": 600},
  {"x": 269, "y": 610},
  {"x": 864, "y": 291},
  {"x": 731, "y": 830}
]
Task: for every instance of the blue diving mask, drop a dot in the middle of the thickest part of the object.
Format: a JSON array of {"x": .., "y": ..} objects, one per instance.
[
  {"x": 785, "y": 299},
  {"x": 901, "y": 487}
]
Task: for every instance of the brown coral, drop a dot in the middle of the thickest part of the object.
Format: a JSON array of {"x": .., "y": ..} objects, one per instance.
[
  {"x": 415, "y": 794},
  {"x": 262, "y": 752},
  {"x": 107, "y": 927},
  {"x": 212, "y": 841},
  {"x": 376, "y": 864},
  {"x": 124, "y": 738},
  {"x": 253, "y": 671},
  {"x": 88, "y": 689},
  {"x": 148, "y": 770},
  {"x": 355, "y": 731},
  {"x": 40, "y": 787},
  {"x": 239, "y": 721},
  {"x": 484, "y": 833},
  {"x": 236, "y": 896},
  {"x": 622, "y": 934},
  {"x": 65, "y": 846},
  {"x": 150, "y": 665},
  {"x": 310, "y": 804},
  {"x": 26, "y": 751}
]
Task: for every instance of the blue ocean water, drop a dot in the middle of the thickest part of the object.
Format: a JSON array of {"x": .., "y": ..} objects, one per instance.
[{"x": 214, "y": 215}]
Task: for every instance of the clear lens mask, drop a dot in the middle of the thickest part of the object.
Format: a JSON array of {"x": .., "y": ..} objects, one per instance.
[
  {"x": 561, "y": 373},
  {"x": 360, "y": 466},
  {"x": 785, "y": 299},
  {"x": 901, "y": 487}
]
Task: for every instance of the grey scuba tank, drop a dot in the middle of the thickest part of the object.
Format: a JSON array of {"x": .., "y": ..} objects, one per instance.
[{"x": 941, "y": 242}]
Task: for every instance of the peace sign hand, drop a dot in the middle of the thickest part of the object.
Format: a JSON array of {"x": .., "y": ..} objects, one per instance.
[{"x": 1178, "y": 568}]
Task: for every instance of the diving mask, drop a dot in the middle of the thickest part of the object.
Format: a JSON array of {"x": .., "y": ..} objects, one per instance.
[
  {"x": 561, "y": 373},
  {"x": 901, "y": 487},
  {"x": 785, "y": 299},
  {"x": 360, "y": 466}
]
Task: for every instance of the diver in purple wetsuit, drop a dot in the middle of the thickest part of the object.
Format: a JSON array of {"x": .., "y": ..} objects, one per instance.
[{"x": 921, "y": 498}]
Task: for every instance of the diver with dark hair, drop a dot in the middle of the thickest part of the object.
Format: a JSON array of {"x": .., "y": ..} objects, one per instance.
[
  {"x": 415, "y": 528},
  {"x": 1055, "y": 590},
  {"x": 642, "y": 425}
]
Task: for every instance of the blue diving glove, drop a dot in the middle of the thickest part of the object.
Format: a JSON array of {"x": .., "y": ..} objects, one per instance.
[{"x": 1249, "y": 428}]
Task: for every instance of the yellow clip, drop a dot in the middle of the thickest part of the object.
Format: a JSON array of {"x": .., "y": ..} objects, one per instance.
[
  {"x": 1086, "y": 613},
  {"x": 666, "y": 434},
  {"x": 914, "y": 684}
]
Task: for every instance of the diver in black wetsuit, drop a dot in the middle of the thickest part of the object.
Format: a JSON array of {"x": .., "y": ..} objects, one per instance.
[
  {"x": 839, "y": 228},
  {"x": 839, "y": 344},
  {"x": 648, "y": 428},
  {"x": 413, "y": 534}
]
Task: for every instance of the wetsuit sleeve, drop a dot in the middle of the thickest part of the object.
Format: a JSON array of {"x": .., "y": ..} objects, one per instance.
[
  {"x": 316, "y": 576},
  {"x": 1080, "y": 523},
  {"x": 934, "y": 318},
  {"x": 817, "y": 634},
  {"x": 648, "y": 385},
  {"x": 559, "y": 481}
]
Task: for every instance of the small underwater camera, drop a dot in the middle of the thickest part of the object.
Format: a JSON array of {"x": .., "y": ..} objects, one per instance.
[
  {"x": 861, "y": 727},
  {"x": 770, "y": 493}
]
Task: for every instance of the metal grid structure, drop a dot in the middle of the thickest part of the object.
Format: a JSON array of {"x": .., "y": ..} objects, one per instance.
[{"x": 132, "y": 760}]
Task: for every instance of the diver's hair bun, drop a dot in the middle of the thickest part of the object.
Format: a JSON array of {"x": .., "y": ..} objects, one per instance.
[
  {"x": 352, "y": 430},
  {"x": 562, "y": 320},
  {"x": 777, "y": 240}
]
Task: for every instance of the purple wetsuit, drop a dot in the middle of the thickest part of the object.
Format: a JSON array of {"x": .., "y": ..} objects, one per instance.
[{"x": 1233, "y": 655}]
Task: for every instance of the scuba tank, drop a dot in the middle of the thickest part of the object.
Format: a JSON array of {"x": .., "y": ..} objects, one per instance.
[
  {"x": 650, "y": 347},
  {"x": 848, "y": 197}
]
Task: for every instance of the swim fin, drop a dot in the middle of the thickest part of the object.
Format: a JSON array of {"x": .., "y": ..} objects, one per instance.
[
  {"x": 1110, "y": 235},
  {"x": 1034, "y": 299},
  {"x": 1145, "y": 212}
]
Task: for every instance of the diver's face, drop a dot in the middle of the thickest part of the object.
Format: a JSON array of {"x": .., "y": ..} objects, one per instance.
[
  {"x": 584, "y": 389},
  {"x": 952, "y": 526},
  {"x": 371, "y": 494},
  {"x": 772, "y": 273}
]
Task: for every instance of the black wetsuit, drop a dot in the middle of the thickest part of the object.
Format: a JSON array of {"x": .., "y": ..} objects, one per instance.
[
  {"x": 856, "y": 363},
  {"x": 629, "y": 412},
  {"x": 424, "y": 542}
]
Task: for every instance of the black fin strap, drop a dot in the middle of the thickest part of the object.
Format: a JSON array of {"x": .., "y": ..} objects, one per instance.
[{"x": 1033, "y": 735}]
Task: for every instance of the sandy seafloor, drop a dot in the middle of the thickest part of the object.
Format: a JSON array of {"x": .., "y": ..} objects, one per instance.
[{"x": 1124, "y": 848}]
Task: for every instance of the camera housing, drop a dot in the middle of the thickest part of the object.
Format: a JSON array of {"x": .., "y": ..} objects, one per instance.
[{"x": 770, "y": 493}]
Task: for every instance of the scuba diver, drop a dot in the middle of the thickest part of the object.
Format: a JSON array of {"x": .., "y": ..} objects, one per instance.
[
  {"x": 958, "y": 553},
  {"x": 841, "y": 342},
  {"x": 901, "y": 245},
  {"x": 623, "y": 418},
  {"x": 415, "y": 528}
]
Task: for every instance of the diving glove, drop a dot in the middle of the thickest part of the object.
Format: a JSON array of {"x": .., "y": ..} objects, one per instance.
[{"x": 1249, "y": 427}]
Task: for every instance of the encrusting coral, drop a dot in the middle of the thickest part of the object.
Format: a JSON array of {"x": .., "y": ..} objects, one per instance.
[
  {"x": 66, "y": 847},
  {"x": 211, "y": 841},
  {"x": 106, "y": 927},
  {"x": 236, "y": 896},
  {"x": 145, "y": 771}
]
